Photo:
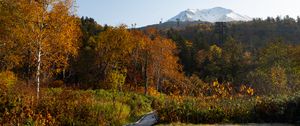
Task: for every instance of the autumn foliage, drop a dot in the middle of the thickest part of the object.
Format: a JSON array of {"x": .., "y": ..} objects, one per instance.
[{"x": 59, "y": 69}]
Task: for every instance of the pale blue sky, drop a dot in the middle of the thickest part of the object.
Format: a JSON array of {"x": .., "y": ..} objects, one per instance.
[{"x": 146, "y": 12}]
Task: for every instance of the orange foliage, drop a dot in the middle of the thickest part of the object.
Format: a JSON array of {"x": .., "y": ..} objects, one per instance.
[
  {"x": 45, "y": 35},
  {"x": 164, "y": 71}
]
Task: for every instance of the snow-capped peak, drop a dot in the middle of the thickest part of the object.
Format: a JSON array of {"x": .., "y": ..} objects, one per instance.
[{"x": 217, "y": 14}]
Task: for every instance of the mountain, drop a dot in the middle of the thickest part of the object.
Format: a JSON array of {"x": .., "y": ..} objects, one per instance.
[{"x": 217, "y": 14}]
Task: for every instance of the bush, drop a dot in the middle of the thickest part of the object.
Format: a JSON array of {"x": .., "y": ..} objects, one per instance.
[
  {"x": 270, "y": 109},
  {"x": 280, "y": 108},
  {"x": 275, "y": 109}
]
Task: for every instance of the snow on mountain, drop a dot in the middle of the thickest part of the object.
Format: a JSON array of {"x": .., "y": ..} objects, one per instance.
[{"x": 217, "y": 14}]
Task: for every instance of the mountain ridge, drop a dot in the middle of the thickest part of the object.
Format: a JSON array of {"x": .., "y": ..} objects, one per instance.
[{"x": 216, "y": 14}]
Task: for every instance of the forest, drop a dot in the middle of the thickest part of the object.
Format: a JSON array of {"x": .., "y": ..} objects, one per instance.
[{"x": 60, "y": 69}]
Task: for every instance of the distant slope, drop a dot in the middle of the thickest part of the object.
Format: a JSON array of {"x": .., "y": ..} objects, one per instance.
[{"x": 174, "y": 25}]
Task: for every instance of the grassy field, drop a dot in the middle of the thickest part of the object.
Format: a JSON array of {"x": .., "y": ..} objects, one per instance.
[{"x": 60, "y": 106}]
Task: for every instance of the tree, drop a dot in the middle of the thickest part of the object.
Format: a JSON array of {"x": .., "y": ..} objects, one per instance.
[
  {"x": 78, "y": 72},
  {"x": 113, "y": 49},
  {"x": 233, "y": 67},
  {"x": 163, "y": 69},
  {"x": 48, "y": 31},
  {"x": 209, "y": 63},
  {"x": 275, "y": 70},
  {"x": 138, "y": 59}
]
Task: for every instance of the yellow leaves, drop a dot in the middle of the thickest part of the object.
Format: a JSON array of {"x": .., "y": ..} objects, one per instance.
[
  {"x": 178, "y": 98},
  {"x": 216, "y": 84},
  {"x": 250, "y": 91},
  {"x": 189, "y": 44},
  {"x": 226, "y": 90},
  {"x": 54, "y": 30},
  {"x": 220, "y": 90},
  {"x": 114, "y": 45},
  {"x": 153, "y": 92},
  {"x": 246, "y": 90},
  {"x": 116, "y": 79},
  {"x": 258, "y": 99},
  {"x": 216, "y": 49},
  {"x": 215, "y": 52},
  {"x": 242, "y": 88}
]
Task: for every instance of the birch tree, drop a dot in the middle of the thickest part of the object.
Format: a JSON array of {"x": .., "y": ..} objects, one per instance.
[{"x": 48, "y": 32}]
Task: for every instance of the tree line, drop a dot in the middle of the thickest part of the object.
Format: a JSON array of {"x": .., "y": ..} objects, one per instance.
[
  {"x": 45, "y": 44},
  {"x": 259, "y": 53}
]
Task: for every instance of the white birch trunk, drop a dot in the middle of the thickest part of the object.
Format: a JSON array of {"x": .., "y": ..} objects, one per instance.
[{"x": 38, "y": 72}]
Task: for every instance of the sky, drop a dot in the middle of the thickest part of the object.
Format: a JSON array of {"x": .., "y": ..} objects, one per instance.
[{"x": 147, "y": 12}]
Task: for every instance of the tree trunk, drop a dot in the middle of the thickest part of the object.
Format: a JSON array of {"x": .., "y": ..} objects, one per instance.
[{"x": 38, "y": 72}]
